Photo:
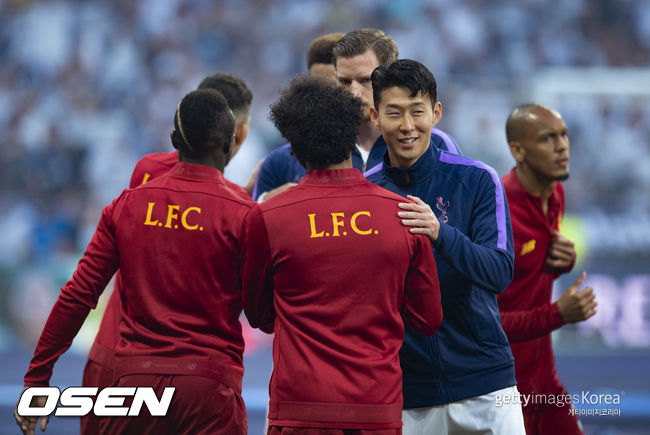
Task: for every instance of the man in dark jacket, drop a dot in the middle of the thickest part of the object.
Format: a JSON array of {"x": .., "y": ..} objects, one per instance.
[{"x": 454, "y": 380}]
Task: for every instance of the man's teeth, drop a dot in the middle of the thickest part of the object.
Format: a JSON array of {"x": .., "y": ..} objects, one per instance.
[{"x": 408, "y": 141}]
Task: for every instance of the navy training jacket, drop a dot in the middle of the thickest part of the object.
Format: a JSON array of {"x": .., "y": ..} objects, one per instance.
[{"x": 470, "y": 354}]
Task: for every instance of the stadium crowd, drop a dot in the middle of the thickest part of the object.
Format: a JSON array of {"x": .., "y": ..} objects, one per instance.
[{"x": 86, "y": 90}]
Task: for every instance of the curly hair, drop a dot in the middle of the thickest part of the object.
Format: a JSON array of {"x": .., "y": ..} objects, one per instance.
[
  {"x": 203, "y": 120},
  {"x": 237, "y": 93},
  {"x": 320, "y": 120},
  {"x": 404, "y": 73}
]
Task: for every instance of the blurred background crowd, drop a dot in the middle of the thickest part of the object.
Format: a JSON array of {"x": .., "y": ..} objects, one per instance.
[{"x": 89, "y": 87}]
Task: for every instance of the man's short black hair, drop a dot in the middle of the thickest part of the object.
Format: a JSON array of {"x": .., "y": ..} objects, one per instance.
[
  {"x": 237, "y": 93},
  {"x": 320, "y": 120},
  {"x": 203, "y": 120},
  {"x": 404, "y": 73}
]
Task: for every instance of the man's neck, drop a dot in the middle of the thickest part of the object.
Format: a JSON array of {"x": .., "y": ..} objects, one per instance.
[
  {"x": 368, "y": 135},
  {"x": 345, "y": 164},
  {"x": 535, "y": 185},
  {"x": 218, "y": 164}
]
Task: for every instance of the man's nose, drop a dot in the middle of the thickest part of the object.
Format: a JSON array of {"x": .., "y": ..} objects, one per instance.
[
  {"x": 407, "y": 123},
  {"x": 355, "y": 88},
  {"x": 562, "y": 143}
]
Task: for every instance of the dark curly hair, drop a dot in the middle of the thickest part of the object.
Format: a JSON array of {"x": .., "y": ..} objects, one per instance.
[
  {"x": 237, "y": 93},
  {"x": 203, "y": 120},
  {"x": 320, "y": 120},
  {"x": 404, "y": 73}
]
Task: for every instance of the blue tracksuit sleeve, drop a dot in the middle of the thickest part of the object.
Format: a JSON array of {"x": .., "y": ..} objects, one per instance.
[
  {"x": 272, "y": 174},
  {"x": 265, "y": 179},
  {"x": 486, "y": 257}
]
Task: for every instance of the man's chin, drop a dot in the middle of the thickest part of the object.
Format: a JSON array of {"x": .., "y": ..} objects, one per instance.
[{"x": 562, "y": 177}]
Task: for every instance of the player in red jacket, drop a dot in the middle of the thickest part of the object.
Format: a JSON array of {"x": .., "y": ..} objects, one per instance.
[
  {"x": 539, "y": 143},
  {"x": 330, "y": 269},
  {"x": 176, "y": 241},
  {"x": 101, "y": 358}
]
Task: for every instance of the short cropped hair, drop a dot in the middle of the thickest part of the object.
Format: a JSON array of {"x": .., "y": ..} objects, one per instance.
[
  {"x": 320, "y": 49},
  {"x": 404, "y": 73},
  {"x": 358, "y": 42},
  {"x": 320, "y": 120},
  {"x": 237, "y": 93},
  {"x": 203, "y": 120}
]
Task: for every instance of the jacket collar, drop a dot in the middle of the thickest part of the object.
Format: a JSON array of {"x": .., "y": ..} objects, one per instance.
[
  {"x": 193, "y": 170},
  {"x": 421, "y": 170},
  {"x": 333, "y": 176}
]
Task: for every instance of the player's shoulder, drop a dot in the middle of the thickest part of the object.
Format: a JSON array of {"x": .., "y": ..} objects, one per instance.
[
  {"x": 375, "y": 173},
  {"x": 239, "y": 191},
  {"x": 280, "y": 153},
  {"x": 162, "y": 157},
  {"x": 444, "y": 141},
  {"x": 382, "y": 193},
  {"x": 466, "y": 167}
]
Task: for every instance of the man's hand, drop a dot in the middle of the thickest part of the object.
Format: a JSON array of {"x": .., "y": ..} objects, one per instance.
[
  {"x": 561, "y": 253},
  {"x": 576, "y": 306},
  {"x": 420, "y": 217},
  {"x": 251, "y": 180},
  {"x": 278, "y": 190},
  {"x": 28, "y": 424}
]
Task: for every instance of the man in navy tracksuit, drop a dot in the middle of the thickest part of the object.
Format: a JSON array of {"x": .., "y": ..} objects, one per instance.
[
  {"x": 355, "y": 56},
  {"x": 461, "y": 379}
]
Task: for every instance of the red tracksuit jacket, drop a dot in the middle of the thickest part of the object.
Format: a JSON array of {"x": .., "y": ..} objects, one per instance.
[
  {"x": 176, "y": 241},
  {"x": 148, "y": 168},
  {"x": 332, "y": 271},
  {"x": 527, "y": 314}
]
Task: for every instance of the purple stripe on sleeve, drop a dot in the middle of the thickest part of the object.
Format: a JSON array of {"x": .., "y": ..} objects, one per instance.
[
  {"x": 451, "y": 146},
  {"x": 502, "y": 238},
  {"x": 373, "y": 170}
]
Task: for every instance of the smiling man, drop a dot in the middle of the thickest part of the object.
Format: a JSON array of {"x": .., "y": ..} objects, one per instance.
[
  {"x": 355, "y": 56},
  {"x": 453, "y": 379},
  {"x": 539, "y": 143}
]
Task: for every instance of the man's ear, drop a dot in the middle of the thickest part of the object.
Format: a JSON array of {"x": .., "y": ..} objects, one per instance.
[
  {"x": 229, "y": 146},
  {"x": 374, "y": 117},
  {"x": 517, "y": 151},
  {"x": 241, "y": 132},
  {"x": 437, "y": 112}
]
